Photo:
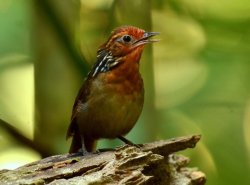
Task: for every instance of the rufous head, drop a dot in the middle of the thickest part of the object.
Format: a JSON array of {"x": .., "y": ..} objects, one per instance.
[
  {"x": 126, "y": 39},
  {"x": 125, "y": 45}
]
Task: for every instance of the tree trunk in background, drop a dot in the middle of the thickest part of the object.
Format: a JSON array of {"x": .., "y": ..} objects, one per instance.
[{"x": 56, "y": 79}]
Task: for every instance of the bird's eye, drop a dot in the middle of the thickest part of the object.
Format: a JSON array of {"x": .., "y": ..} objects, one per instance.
[{"x": 126, "y": 38}]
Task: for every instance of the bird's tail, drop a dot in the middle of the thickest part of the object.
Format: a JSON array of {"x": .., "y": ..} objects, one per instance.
[{"x": 76, "y": 144}]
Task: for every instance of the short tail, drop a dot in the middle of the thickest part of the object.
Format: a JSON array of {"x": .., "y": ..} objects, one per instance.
[{"x": 76, "y": 144}]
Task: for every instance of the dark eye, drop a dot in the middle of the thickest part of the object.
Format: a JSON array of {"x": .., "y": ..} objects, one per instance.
[{"x": 126, "y": 38}]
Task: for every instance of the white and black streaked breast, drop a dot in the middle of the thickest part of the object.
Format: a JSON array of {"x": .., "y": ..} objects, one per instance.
[{"x": 105, "y": 62}]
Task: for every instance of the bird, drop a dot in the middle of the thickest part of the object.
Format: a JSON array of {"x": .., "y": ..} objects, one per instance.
[{"x": 111, "y": 98}]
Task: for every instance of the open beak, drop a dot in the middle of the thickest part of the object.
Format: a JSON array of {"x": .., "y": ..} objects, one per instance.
[{"x": 146, "y": 39}]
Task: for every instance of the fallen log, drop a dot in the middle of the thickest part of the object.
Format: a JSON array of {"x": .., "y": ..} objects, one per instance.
[{"x": 152, "y": 163}]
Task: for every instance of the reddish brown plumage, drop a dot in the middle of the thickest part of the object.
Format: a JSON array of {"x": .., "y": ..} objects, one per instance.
[{"x": 111, "y": 99}]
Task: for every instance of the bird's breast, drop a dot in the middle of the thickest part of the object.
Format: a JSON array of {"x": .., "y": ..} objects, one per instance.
[{"x": 112, "y": 108}]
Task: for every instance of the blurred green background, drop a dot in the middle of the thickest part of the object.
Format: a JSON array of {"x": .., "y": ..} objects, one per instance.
[{"x": 197, "y": 78}]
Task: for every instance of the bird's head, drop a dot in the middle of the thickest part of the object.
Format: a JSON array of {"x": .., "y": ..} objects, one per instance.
[
  {"x": 125, "y": 45},
  {"x": 126, "y": 39}
]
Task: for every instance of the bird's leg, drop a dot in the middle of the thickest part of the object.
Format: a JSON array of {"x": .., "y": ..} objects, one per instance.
[{"x": 126, "y": 141}]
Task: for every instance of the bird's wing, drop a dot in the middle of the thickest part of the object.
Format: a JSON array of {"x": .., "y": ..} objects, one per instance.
[
  {"x": 103, "y": 61},
  {"x": 80, "y": 100}
]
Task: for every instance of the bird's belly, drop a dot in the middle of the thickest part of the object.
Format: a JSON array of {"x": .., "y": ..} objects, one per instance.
[{"x": 111, "y": 116}]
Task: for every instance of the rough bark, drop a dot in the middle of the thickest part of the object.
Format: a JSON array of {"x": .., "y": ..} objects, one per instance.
[{"x": 152, "y": 163}]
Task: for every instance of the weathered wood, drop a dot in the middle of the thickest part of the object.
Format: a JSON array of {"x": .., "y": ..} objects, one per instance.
[{"x": 152, "y": 163}]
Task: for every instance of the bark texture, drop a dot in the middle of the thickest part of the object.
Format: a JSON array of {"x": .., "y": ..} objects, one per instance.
[{"x": 152, "y": 163}]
